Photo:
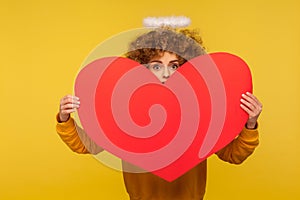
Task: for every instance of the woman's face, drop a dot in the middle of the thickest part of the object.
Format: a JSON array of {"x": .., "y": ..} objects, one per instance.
[{"x": 163, "y": 67}]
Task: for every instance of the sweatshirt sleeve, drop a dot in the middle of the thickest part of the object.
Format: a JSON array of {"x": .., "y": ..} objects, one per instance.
[
  {"x": 241, "y": 147},
  {"x": 75, "y": 137}
]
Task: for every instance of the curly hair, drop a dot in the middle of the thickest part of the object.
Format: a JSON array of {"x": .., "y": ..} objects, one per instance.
[{"x": 185, "y": 43}]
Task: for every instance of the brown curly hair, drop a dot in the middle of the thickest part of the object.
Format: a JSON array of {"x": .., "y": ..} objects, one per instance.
[{"x": 185, "y": 43}]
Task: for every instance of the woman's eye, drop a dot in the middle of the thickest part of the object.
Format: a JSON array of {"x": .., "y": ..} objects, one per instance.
[
  {"x": 174, "y": 66},
  {"x": 156, "y": 67}
]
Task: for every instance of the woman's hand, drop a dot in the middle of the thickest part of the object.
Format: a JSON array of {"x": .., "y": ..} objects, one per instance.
[
  {"x": 68, "y": 105},
  {"x": 253, "y": 107}
]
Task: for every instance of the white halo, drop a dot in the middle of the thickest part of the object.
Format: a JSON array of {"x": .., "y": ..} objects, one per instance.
[{"x": 174, "y": 21}]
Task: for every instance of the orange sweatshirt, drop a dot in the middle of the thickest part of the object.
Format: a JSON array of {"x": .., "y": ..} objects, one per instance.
[{"x": 146, "y": 186}]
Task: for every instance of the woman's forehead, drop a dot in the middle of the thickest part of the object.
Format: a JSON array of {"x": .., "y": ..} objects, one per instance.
[{"x": 164, "y": 54}]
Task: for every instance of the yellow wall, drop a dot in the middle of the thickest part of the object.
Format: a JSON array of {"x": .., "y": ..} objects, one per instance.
[{"x": 43, "y": 44}]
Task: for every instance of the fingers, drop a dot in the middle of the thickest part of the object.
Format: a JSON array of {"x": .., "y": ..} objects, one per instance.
[
  {"x": 253, "y": 107},
  {"x": 251, "y": 104},
  {"x": 68, "y": 105},
  {"x": 252, "y": 100},
  {"x": 69, "y": 99},
  {"x": 68, "y": 111},
  {"x": 69, "y": 102}
]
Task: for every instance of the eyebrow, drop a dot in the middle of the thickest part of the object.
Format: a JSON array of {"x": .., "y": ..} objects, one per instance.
[{"x": 172, "y": 61}]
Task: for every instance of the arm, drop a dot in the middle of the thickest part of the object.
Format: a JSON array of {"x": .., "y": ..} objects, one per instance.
[
  {"x": 243, "y": 146},
  {"x": 74, "y": 136},
  {"x": 240, "y": 148}
]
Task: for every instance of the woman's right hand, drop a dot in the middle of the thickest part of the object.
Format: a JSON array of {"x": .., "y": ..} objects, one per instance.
[{"x": 68, "y": 105}]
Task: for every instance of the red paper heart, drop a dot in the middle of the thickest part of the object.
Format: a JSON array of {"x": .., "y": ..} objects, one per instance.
[{"x": 168, "y": 128}]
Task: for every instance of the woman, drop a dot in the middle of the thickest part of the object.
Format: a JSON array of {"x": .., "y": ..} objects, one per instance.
[{"x": 162, "y": 51}]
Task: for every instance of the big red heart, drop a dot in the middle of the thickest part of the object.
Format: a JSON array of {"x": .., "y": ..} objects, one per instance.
[{"x": 168, "y": 128}]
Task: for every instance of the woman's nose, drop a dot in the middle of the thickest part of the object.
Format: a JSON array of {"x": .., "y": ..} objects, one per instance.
[{"x": 166, "y": 72}]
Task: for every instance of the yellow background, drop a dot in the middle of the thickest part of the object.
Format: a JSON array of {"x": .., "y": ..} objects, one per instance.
[{"x": 43, "y": 44}]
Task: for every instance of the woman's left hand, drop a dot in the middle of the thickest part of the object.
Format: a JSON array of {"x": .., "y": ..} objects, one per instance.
[{"x": 253, "y": 107}]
